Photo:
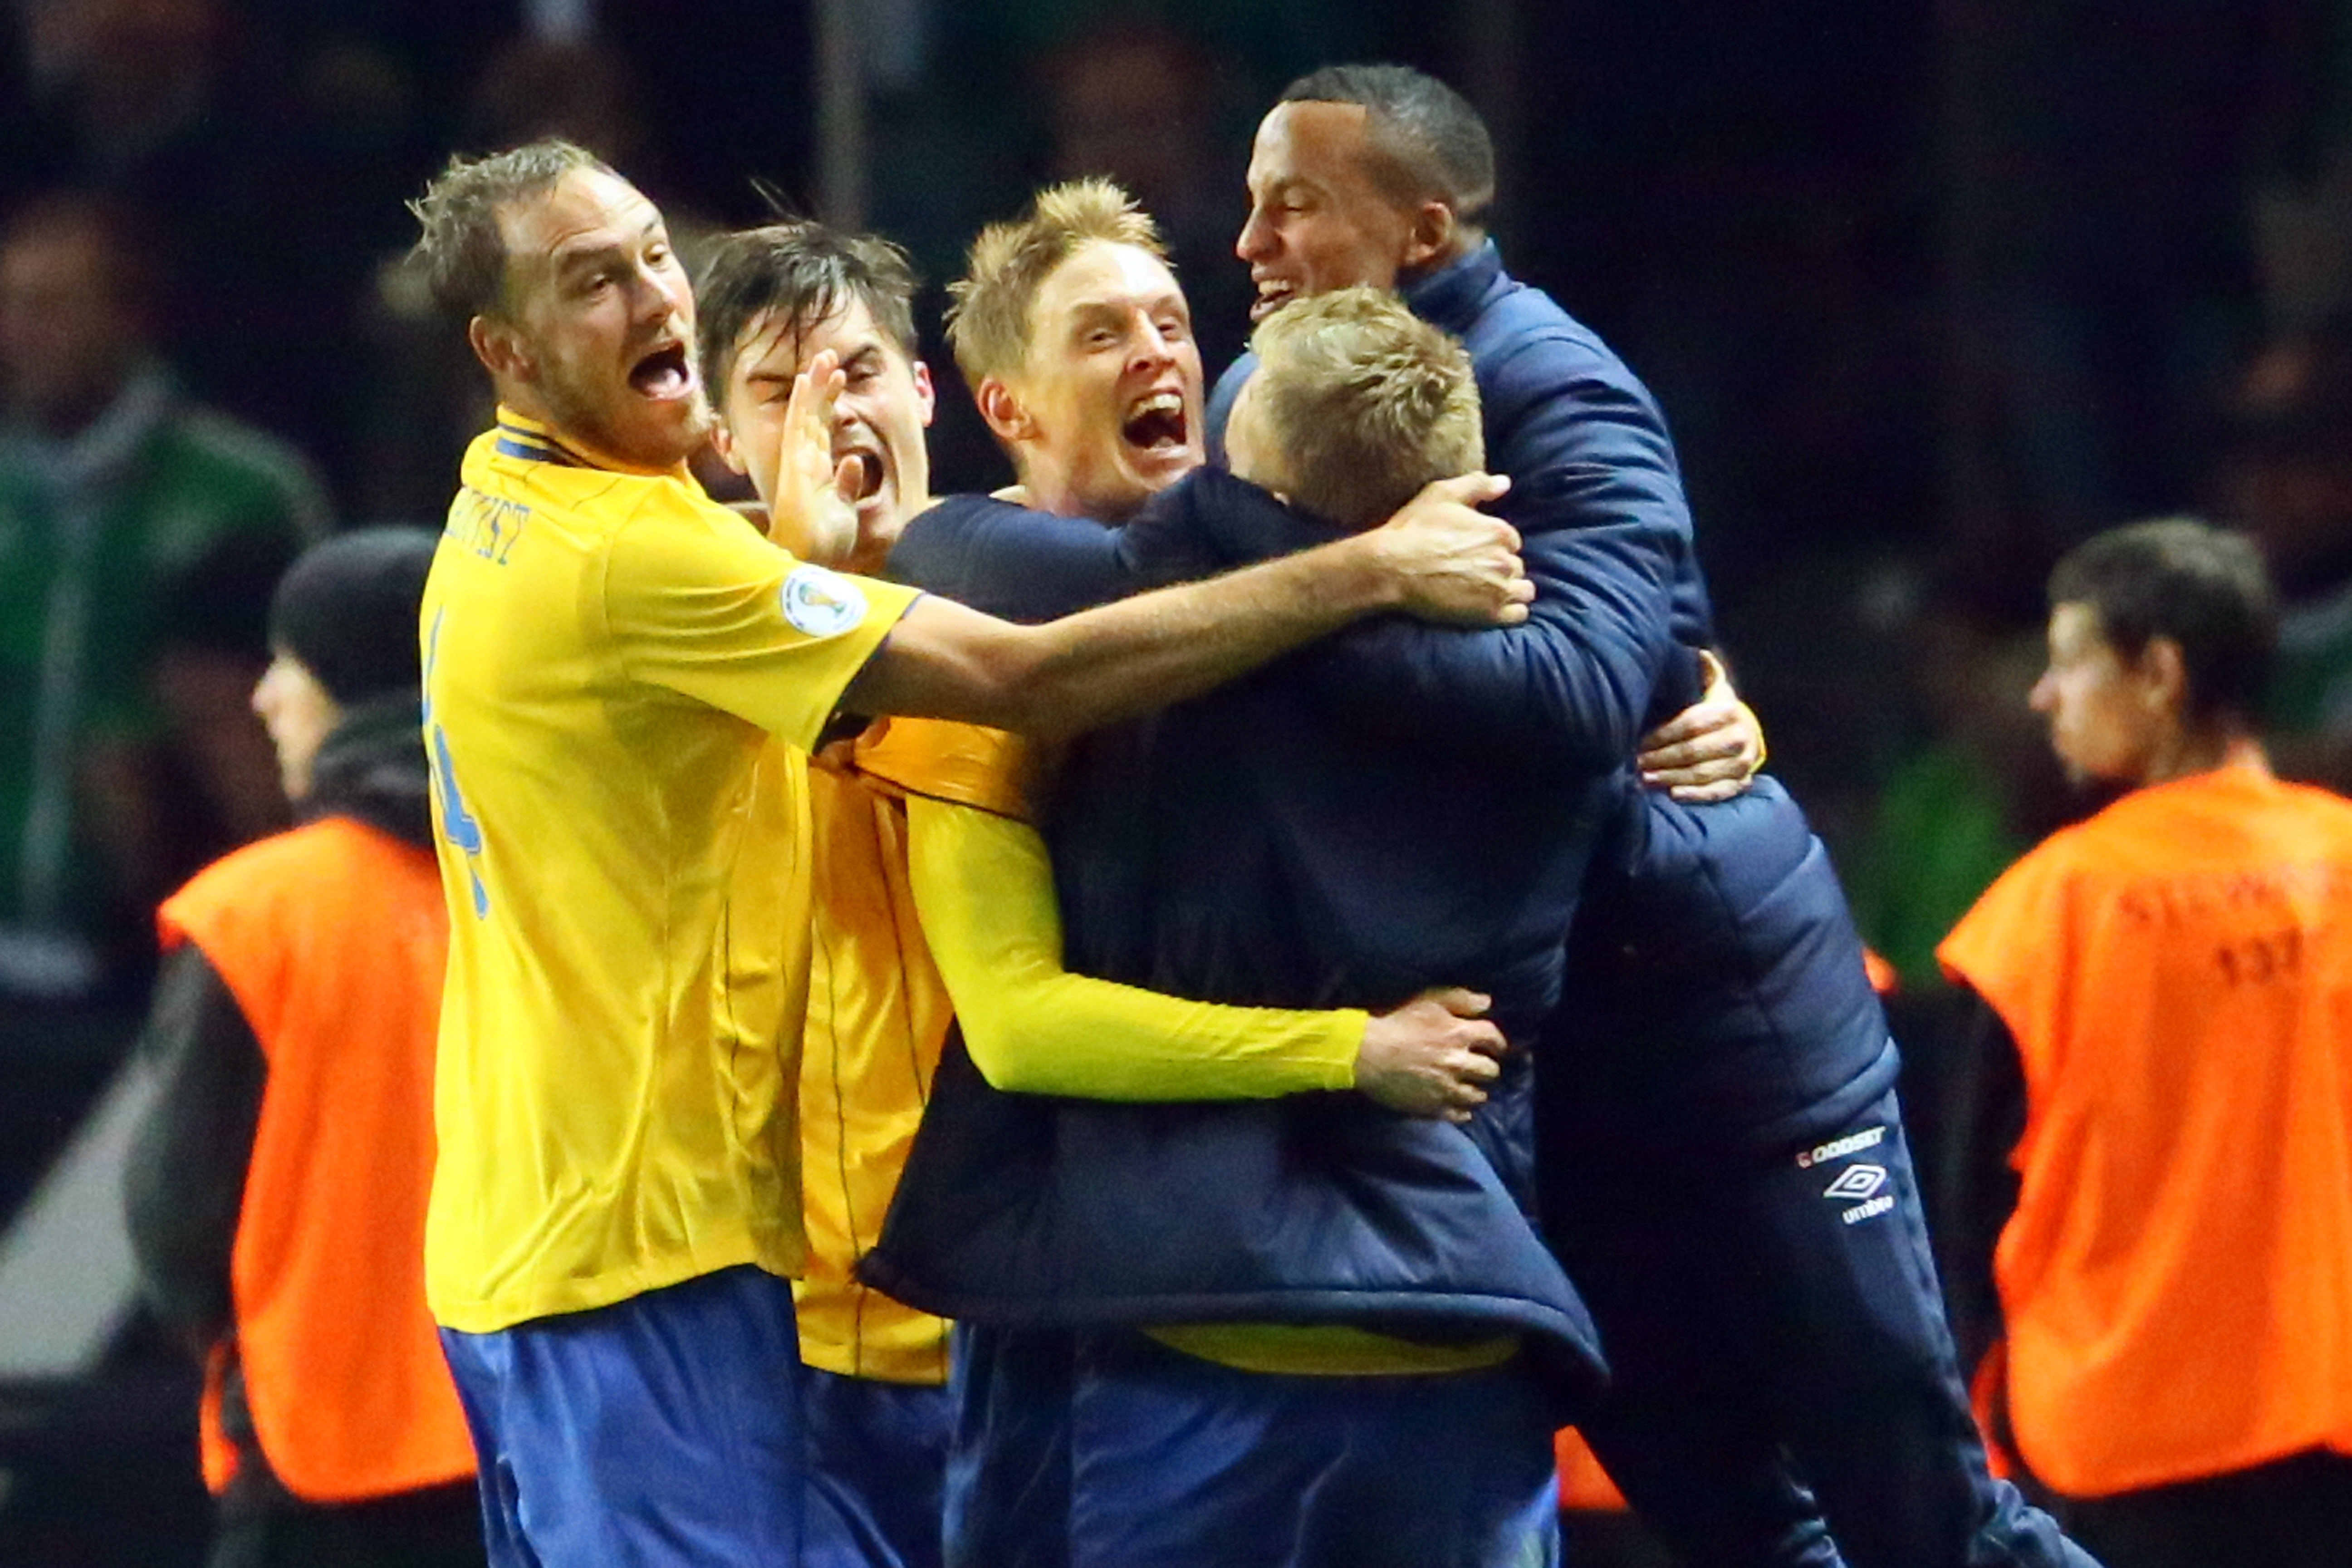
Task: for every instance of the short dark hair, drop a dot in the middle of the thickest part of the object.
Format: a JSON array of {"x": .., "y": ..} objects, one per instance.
[
  {"x": 1426, "y": 140},
  {"x": 2203, "y": 587},
  {"x": 460, "y": 250},
  {"x": 804, "y": 270}
]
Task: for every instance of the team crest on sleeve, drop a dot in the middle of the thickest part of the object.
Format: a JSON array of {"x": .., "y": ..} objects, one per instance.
[{"x": 821, "y": 602}]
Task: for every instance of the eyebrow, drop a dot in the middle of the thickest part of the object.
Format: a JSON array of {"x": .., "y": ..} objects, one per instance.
[
  {"x": 569, "y": 256},
  {"x": 1114, "y": 305},
  {"x": 752, "y": 376}
]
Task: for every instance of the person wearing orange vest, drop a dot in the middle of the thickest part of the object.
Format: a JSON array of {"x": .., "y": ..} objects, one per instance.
[
  {"x": 276, "y": 1193},
  {"x": 2168, "y": 986}
]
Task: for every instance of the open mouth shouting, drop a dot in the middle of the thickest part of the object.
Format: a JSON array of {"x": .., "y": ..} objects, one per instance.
[
  {"x": 664, "y": 374},
  {"x": 1159, "y": 426},
  {"x": 865, "y": 480}
]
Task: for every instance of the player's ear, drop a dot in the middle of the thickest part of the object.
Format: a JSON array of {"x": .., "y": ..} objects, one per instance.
[
  {"x": 2163, "y": 672},
  {"x": 1007, "y": 420},
  {"x": 1429, "y": 235},
  {"x": 500, "y": 348},
  {"x": 723, "y": 441},
  {"x": 924, "y": 390}
]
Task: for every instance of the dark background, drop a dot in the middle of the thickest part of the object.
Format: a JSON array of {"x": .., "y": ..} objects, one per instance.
[{"x": 1929, "y": 291}]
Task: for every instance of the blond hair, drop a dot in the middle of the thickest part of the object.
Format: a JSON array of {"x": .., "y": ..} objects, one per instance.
[
  {"x": 988, "y": 314},
  {"x": 1363, "y": 403}
]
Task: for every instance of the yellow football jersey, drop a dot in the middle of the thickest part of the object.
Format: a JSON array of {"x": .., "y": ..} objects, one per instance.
[
  {"x": 605, "y": 657},
  {"x": 878, "y": 1015}
]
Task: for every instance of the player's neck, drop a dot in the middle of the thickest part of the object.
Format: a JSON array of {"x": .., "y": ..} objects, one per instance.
[
  {"x": 1054, "y": 493},
  {"x": 522, "y": 401},
  {"x": 2206, "y": 749}
]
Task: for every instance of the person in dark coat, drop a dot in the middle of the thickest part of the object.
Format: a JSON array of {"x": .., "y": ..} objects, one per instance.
[
  {"x": 277, "y": 1191},
  {"x": 1724, "y": 1171}
]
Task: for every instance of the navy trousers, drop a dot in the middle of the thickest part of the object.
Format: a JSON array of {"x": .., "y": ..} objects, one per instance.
[
  {"x": 1779, "y": 1357},
  {"x": 1104, "y": 1448}
]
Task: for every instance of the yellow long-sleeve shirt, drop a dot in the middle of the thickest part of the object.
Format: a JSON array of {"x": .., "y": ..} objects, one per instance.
[{"x": 925, "y": 816}]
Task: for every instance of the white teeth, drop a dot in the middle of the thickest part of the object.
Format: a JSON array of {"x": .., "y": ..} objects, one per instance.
[{"x": 1161, "y": 403}]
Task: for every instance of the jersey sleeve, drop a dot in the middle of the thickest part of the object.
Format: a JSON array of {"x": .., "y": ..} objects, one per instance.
[
  {"x": 984, "y": 891},
  {"x": 1010, "y": 562},
  {"x": 966, "y": 764},
  {"x": 709, "y": 609}
]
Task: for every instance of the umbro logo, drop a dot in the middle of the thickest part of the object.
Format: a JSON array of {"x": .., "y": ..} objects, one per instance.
[{"x": 1856, "y": 1182}]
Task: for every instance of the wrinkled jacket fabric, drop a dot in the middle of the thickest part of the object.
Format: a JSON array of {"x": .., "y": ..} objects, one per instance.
[
  {"x": 1714, "y": 988},
  {"x": 1400, "y": 807}
]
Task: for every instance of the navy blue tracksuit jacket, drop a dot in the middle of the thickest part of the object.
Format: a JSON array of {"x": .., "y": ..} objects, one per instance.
[
  {"x": 1400, "y": 807},
  {"x": 1771, "y": 1335}
]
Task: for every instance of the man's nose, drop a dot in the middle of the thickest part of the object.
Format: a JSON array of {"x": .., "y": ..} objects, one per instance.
[
  {"x": 1152, "y": 346},
  {"x": 1253, "y": 241},
  {"x": 651, "y": 295}
]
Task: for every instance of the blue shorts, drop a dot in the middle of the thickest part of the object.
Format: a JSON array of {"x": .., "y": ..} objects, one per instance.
[
  {"x": 878, "y": 1455},
  {"x": 1176, "y": 1462},
  {"x": 1008, "y": 1502},
  {"x": 660, "y": 1431}
]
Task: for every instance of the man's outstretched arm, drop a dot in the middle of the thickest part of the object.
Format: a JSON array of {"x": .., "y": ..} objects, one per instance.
[{"x": 944, "y": 661}]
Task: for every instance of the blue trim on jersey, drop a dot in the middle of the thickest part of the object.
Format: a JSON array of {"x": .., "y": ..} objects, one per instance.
[{"x": 534, "y": 448}]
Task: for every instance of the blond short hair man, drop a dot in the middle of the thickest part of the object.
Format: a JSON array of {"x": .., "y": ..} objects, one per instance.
[{"x": 1356, "y": 404}]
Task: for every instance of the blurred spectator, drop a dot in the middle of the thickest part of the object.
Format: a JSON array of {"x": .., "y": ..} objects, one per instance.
[
  {"x": 139, "y": 536},
  {"x": 2164, "y": 1135},
  {"x": 276, "y": 1192},
  {"x": 262, "y": 197},
  {"x": 2286, "y": 479},
  {"x": 1971, "y": 787}
]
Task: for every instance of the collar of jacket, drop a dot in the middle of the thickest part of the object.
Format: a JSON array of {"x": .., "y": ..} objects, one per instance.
[
  {"x": 99, "y": 452},
  {"x": 1449, "y": 296}
]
